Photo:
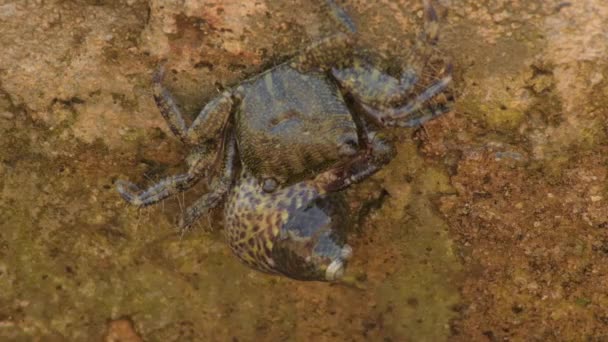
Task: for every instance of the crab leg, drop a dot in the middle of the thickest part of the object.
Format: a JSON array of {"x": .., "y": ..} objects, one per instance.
[
  {"x": 159, "y": 191},
  {"x": 201, "y": 166},
  {"x": 166, "y": 187},
  {"x": 428, "y": 113},
  {"x": 207, "y": 124},
  {"x": 402, "y": 116},
  {"x": 220, "y": 187},
  {"x": 371, "y": 86},
  {"x": 212, "y": 119}
]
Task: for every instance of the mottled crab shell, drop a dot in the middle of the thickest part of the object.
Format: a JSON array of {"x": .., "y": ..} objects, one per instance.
[{"x": 295, "y": 231}]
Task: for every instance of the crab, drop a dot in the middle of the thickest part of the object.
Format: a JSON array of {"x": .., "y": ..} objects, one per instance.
[{"x": 288, "y": 141}]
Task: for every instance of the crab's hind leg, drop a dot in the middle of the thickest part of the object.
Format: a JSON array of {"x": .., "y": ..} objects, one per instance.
[
  {"x": 202, "y": 164},
  {"x": 159, "y": 191},
  {"x": 220, "y": 186},
  {"x": 212, "y": 120},
  {"x": 207, "y": 124}
]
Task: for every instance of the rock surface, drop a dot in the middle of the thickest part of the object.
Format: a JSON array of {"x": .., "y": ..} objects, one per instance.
[{"x": 490, "y": 224}]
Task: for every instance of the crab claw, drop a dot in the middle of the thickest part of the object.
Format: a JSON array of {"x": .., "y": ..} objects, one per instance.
[{"x": 335, "y": 270}]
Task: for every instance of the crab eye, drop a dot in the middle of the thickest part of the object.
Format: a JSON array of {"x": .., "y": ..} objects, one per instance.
[
  {"x": 348, "y": 147},
  {"x": 269, "y": 185}
]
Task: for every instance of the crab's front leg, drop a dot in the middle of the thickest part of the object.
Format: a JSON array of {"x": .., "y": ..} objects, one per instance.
[
  {"x": 172, "y": 185},
  {"x": 207, "y": 124}
]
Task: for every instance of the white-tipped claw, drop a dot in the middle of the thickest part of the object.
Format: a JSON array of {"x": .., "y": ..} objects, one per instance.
[{"x": 335, "y": 270}]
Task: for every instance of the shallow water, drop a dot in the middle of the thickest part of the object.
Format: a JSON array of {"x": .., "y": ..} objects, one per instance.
[{"x": 489, "y": 224}]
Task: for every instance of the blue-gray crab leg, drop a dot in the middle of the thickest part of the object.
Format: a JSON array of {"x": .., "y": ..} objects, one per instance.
[
  {"x": 426, "y": 114},
  {"x": 202, "y": 164},
  {"x": 208, "y": 123},
  {"x": 371, "y": 86},
  {"x": 375, "y": 88},
  {"x": 220, "y": 187},
  {"x": 415, "y": 112},
  {"x": 159, "y": 191}
]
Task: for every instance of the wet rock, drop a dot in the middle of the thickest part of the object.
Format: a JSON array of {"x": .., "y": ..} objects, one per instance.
[{"x": 7, "y": 115}]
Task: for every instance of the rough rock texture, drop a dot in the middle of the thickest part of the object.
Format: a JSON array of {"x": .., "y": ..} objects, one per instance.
[
  {"x": 491, "y": 224},
  {"x": 530, "y": 214}
]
